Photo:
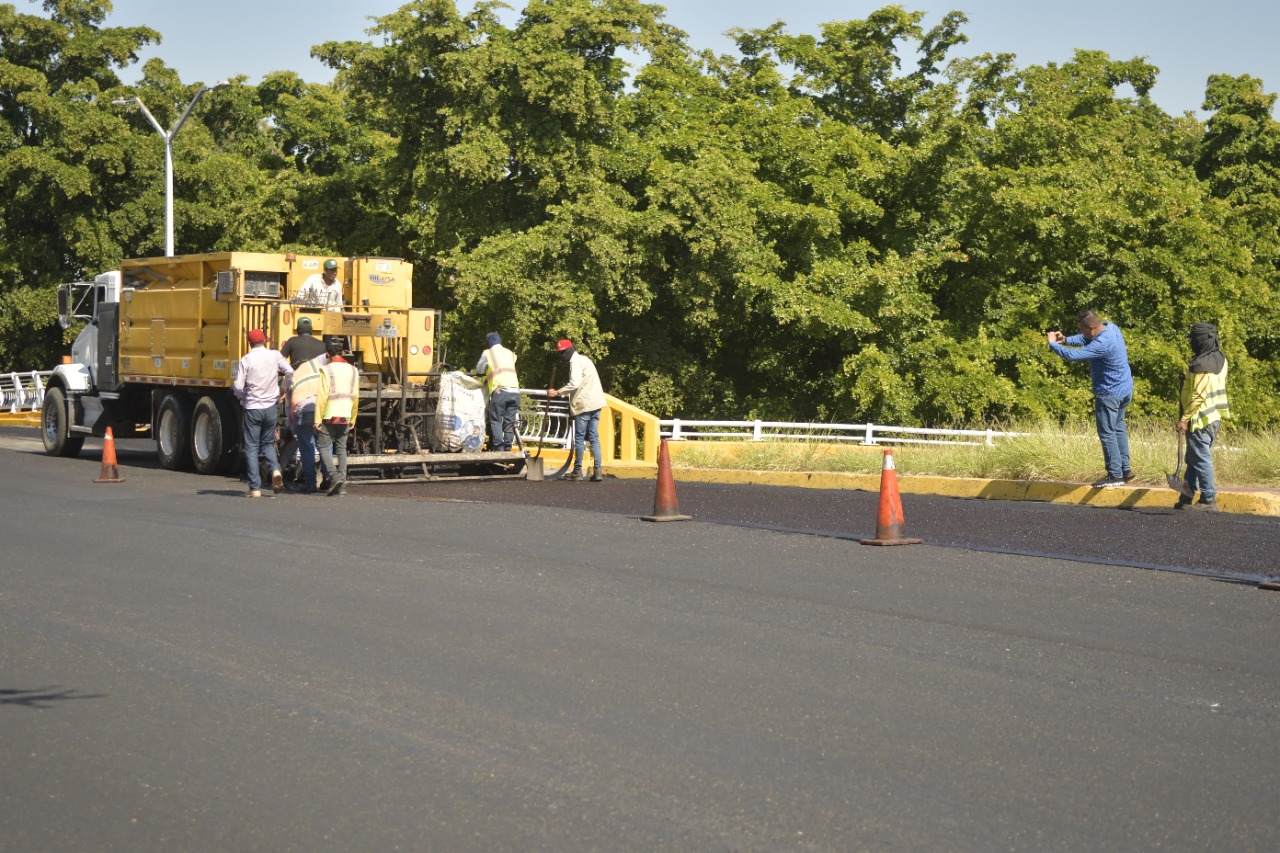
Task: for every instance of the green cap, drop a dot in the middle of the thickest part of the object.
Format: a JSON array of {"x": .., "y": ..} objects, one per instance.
[{"x": 331, "y": 264}]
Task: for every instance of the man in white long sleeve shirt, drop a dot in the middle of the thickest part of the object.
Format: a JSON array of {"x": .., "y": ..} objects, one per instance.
[
  {"x": 586, "y": 399},
  {"x": 258, "y": 389}
]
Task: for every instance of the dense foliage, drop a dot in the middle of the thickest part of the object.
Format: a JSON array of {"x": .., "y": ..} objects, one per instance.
[{"x": 851, "y": 225}]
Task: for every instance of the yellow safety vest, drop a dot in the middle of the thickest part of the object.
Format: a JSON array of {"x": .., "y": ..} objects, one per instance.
[
  {"x": 344, "y": 392},
  {"x": 500, "y": 372},
  {"x": 306, "y": 382},
  {"x": 1214, "y": 407}
]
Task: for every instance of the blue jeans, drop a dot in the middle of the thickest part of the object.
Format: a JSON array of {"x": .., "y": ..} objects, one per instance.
[
  {"x": 586, "y": 427},
  {"x": 259, "y": 438},
  {"x": 503, "y": 408},
  {"x": 304, "y": 430},
  {"x": 1112, "y": 432},
  {"x": 1200, "y": 461}
]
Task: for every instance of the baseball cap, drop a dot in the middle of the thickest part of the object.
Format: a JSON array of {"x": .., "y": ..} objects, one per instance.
[
  {"x": 331, "y": 264},
  {"x": 304, "y": 323},
  {"x": 564, "y": 344},
  {"x": 257, "y": 336}
]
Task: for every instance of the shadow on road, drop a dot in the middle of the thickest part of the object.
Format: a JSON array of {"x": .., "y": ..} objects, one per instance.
[{"x": 43, "y": 697}]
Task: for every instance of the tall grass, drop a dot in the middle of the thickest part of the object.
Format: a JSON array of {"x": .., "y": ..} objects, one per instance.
[{"x": 1047, "y": 451}]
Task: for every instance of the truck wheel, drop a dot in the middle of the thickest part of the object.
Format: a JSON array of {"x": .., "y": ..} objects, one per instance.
[
  {"x": 55, "y": 427},
  {"x": 173, "y": 432},
  {"x": 213, "y": 437}
]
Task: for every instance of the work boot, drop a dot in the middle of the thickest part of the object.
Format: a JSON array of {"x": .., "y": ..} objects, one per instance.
[
  {"x": 597, "y": 475},
  {"x": 277, "y": 482},
  {"x": 575, "y": 474},
  {"x": 339, "y": 487},
  {"x": 1129, "y": 476},
  {"x": 1182, "y": 503},
  {"x": 253, "y": 493}
]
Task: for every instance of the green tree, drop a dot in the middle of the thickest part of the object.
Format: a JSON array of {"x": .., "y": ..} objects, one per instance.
[{"x": 60, "y": 154}]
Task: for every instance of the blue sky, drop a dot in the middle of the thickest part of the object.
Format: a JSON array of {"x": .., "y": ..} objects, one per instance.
[{"x": 1187, "y": 41}]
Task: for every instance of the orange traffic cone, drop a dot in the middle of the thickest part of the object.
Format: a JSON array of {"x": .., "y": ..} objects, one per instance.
[
  {"x": 889, "y": 521},
  {"x": 110, "y": 471},
  {"x": 664, "y": 500}
]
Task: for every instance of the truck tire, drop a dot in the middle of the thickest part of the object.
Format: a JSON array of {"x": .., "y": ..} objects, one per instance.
[
  {"x": 173, "y": 432},
  {"x": 214, "y": 449},
  {"x": 55, "y": 426}
]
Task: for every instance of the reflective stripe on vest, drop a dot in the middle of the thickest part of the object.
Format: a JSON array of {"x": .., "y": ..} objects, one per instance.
[
  {"x": 340, "y": 399},
  {"x": 501, "y": 369},
  {"x": 1215, "y": 406},
  {"x": 308, "y": 373}
]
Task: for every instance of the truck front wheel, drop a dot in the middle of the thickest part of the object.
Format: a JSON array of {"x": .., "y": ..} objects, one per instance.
[
  {"x": 55, "y": 426},
  {"x": 213, "y": 437},
  {"x": 173, "y": 432}
]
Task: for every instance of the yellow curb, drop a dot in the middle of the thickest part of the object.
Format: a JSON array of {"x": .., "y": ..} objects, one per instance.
[
  {"x": 20, "y": 419},
  {"x": 1147, "y": 497}
]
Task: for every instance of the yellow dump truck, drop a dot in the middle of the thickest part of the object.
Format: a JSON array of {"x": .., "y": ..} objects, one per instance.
[{"x": 163, "y": 338}]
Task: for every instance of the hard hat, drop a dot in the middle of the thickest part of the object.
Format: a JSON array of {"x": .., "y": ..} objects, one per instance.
[
  {"x": 564, "y": 344},
  {"x": 304, "y": 325},
  {"x": 257, "y": 336},
  {"x": 331, "y": 264}
]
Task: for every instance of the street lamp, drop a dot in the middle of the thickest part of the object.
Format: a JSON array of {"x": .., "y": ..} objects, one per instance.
[{"x": 168, "y": 136}]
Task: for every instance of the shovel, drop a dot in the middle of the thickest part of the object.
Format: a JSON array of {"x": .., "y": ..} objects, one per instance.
[{"x": 1175, "y": 480}]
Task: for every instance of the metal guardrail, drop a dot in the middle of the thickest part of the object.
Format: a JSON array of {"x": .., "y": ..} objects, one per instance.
[
  {"x": 23, "y": 392},
  {"x": 544, "y": 421},
  {"x": 869, "y": 434}
]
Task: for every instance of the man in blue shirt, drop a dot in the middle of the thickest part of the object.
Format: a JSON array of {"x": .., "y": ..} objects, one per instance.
[{"x": 1102, "y": 345}]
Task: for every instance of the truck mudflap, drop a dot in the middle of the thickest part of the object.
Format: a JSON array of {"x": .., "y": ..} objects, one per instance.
[{"x": 411, "y": 467}]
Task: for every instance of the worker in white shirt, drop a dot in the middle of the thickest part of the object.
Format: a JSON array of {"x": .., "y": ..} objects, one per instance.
[{"x": 322, "y": 289}]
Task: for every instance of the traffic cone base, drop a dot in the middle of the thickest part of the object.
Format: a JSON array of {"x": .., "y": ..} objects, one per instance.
[
  {"x": 665, "y": 507},
  {"x": 110, "y": 470},
  {"x": 890, "y": 525}
]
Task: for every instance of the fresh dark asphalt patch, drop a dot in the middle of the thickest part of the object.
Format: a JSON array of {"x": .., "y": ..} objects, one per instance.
[{"x": 1238, "y": 547}]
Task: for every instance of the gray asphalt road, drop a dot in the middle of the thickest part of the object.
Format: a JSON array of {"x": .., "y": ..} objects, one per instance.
[{"x": 183, "y": 668}]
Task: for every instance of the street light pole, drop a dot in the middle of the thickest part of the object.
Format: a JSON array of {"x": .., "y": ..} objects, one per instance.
[{"x": 168, "y": 136}]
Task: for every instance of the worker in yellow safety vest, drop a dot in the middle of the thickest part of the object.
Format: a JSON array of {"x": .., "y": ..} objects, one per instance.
[
  {"x": 1204, "y": 405},
  {"x": 337, "y": 401},
  {"x": 309, "y": 380},
  {"x": 498, "y": 367}
]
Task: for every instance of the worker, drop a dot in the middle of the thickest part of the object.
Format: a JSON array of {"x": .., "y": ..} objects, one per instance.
[
  {"x": 1204, "y": 405},
  {"x": 323, "y": 289},
  {"x": 337, "y": 402},
  {"x": 1102, "y": 345},
  {"x": 310, "y": 380},
  {"x": 257, "y": 386},
  {"x": 498, "y": 367},
  {"x": 586, "y": 399},
  {"x": 303, "y": 346}
]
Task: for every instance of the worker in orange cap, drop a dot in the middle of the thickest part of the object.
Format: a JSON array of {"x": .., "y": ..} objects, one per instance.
[{"x": 586, "y": 399}]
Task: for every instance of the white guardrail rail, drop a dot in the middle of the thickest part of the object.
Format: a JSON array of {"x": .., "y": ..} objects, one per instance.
[
  {"x": 678, "y": 429},
  {"x": 547, "y": 422},
  {"x": 23, "y": 392}
]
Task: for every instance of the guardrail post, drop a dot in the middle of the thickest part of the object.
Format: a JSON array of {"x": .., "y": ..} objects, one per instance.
[
  {"x": 871, "y": 434},
  {"x": 991, "y": 435},
  {"x": 757, "y": 434},
  {"x": 37, "y": 391},
  {"x": 675, "y": 430}
]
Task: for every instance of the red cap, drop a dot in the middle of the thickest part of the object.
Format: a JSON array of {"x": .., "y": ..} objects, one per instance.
[
  {"x": 563, "y": 345},
  {"x": 257, "y": 336}
]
